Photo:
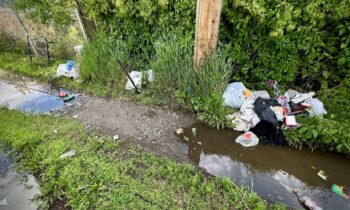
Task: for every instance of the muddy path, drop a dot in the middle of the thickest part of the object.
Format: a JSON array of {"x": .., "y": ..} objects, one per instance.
[{"x": 151, "y": 127}]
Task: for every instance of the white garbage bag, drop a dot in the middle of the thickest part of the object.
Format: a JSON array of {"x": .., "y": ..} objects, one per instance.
[
  {"x": 136, "y": 77},
  {"x": 63, "y": 71},
  {"x": 233, "y": 95},
  {"x": 316, "y": 107},
  {"x": 248, "y": 139}
]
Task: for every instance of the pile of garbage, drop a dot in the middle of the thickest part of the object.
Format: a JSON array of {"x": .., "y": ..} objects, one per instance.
[
  {"x": 68, "y": 69},
  {"x": 263, "y": 116}
]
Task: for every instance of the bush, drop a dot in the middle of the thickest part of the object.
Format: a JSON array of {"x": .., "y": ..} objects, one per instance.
[{"x": 99, "y": 61}]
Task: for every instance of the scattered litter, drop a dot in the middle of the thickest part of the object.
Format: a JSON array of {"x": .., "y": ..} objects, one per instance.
[
  {"x": 136, "y": 77},
  {"x": 67, "y": 70},
  {"x": 55, "y": 130},
  {"x": 198, "y": 142},
  {"x": 248, "y": 139},
  {"x": 262, "y": 94},
  {"x": 322, "y": 175},
  {"x": 341, "y": 191},
  {"x": 68, "y": 98},
  {"x": 297, "y": 97},
  {"x": 246, "y": 118},
  {"x": 68, "y": 154},
  {"x": 275, "y": 86},
  {"x": 316, "y": 107},
  {"x": 179, "y": 131},
  {"x": 75, "y": 116},
  {"x": 62, "y": 94},
  {"x": 313, "y": 167},
  {"x": 4, "y": 202},
  {"x": 265, "y": 116},
  {"x": 307, "y": 201},
  {"x": 290, "y": 120},
  {"x": 115, "y": 137},
  {"x": 194, "y": 131},
  {"x": 233, "y": 95},
  {"x": 186, "y": 138}
]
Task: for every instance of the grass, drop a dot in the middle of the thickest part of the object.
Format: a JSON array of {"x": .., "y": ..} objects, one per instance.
[{"x": 105, "y": 175}]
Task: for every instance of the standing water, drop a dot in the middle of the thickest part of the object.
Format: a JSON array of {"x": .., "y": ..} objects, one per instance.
[
  {"x": 273, "y": 172},
  {"x": 16, "y": 92}
]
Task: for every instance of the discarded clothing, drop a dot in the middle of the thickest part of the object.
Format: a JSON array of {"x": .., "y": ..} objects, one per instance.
[
  {"x": 246, "y": 118},
  {"x": 316, "y": 107},
  {"x": 233, "y": 95},
  {"x": 248, "y": 139}
]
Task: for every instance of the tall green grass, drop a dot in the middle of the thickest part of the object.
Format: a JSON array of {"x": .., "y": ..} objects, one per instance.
[
  {"x": 198, "y": 89},
  {"x": 99, "y": 61}
]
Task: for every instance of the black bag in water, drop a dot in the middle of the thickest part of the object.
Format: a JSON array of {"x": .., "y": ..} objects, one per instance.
[{"x": 269, "y": 126}]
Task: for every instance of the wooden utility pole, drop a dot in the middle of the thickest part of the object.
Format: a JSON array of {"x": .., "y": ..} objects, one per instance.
[{"x": 208, "y": 14}]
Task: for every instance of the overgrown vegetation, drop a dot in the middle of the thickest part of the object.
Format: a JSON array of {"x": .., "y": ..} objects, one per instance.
[
  {"x": 301, "y": 44},
  {"x": 103, "y": 175}
]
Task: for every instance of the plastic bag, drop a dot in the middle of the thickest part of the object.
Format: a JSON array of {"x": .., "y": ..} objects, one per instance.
[
  {"x": 136, "y": 77},
  {"x": 316, "y": 107},
  {"x": 248, "y": 139},
  {"x": 233, "y": 95}
]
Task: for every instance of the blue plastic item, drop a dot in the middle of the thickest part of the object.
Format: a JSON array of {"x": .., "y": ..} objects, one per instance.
[{"x": 70, "y": 64}]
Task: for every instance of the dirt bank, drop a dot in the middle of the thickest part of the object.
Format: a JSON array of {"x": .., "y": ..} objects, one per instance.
[{"x": 151, "y": 127}]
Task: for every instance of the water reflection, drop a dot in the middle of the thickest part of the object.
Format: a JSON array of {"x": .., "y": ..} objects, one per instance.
[{"x": 270, "y": 171}]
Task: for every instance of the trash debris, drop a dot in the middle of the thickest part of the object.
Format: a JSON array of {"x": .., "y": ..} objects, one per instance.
[
  {"x": 4, "y": 202},
  {"x": 136, "y": 77},
  {"x": 248, "y": 139},
  {"x": 261, "y": 94},
  {"x": 316, "y": 107},
  {"x": 290, "y": 121},
  {"x": 68, "y": 154},
  {"x": 68, "y": 70},
  {"x": 194, "y": 131},
  {"x": 75, "y": 116},
  {"x": 322, "y": 175},
  {"x": 179, "y": 131},
  {"x": 186, "y": 138},
  {"x": 264, "y": 112},
  {"x": 233, "y": 95},
  {"x": 62, "y": 94},
  {"x": 279, "y": 112},
  {"x": 275, "y": 86},
  {"x": 115, "y": 137},
  {"x": 246, "y": 118},
  {"x": 68, "y": 98},
  {"x": 307, "y": 201},
  {"x": 198, "y": 142},
  {"x": 340, "y": 190},
  {"x": 297, "y": 97},
  {"x": 247, "y": 93}
]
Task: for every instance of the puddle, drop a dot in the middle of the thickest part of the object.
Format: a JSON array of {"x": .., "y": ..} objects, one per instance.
[
  {"x": 272, "y": 172},
  {"x": 18, "y": 192},
  {"x": 18, "y": 92}
]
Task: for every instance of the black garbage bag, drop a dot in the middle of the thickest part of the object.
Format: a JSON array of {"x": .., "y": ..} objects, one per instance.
[
  {"x": 268, "y": 127},
  {"x": 263, "y": 110}
]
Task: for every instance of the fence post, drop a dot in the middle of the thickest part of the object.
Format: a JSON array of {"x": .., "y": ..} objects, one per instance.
[{"x": 208, "y": 14}]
